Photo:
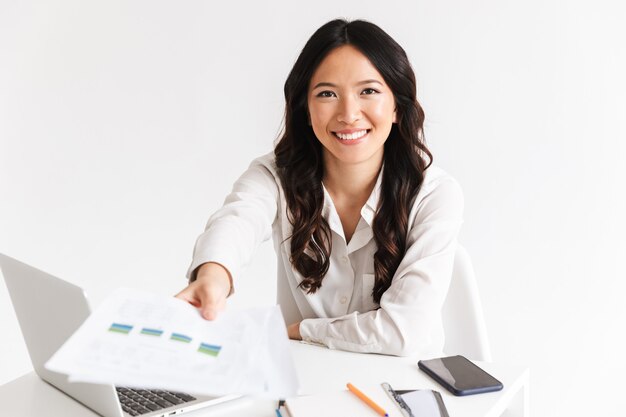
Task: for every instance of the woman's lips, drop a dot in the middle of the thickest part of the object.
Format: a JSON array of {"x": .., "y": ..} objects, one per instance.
[{"x": 353, "y": 137}]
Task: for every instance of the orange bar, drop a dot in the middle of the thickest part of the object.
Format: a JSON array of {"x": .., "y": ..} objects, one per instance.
[{"x": 367, "y": 400}]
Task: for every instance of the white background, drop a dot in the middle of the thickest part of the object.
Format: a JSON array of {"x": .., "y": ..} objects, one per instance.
[{"x": 123, "y": 125}]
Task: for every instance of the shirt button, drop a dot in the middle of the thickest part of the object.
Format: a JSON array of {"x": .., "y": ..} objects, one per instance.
[
  {"x": 345, "y": 259},
  {"x": 343, "y": 299}
]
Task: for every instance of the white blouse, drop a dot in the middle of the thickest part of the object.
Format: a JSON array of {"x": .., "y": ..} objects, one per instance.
[{"x": 342, "y": 313}]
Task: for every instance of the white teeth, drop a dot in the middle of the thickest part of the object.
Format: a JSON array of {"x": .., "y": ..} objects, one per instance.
[{"x": 352, "y": 136}]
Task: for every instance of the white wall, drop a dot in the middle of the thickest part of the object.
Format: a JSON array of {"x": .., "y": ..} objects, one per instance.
[{"x": 124, "y": 123}]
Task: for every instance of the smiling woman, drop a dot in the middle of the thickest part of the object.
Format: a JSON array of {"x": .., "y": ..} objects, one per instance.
[
  {"x": 357, "y": 108},
  {"x": 363, "y": 225}
]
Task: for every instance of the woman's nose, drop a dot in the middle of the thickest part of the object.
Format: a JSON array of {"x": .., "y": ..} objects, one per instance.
[{"x": 349, "y": 110}]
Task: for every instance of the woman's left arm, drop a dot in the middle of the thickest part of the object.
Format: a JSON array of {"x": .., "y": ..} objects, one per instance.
[{"x": 409, "y": 318}]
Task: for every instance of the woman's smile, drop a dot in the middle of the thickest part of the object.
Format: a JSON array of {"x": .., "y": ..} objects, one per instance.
[{"x": 351, "y": 137}]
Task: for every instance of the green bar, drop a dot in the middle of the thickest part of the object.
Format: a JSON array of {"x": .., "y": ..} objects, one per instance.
[
  {"x": 178, "y": 339},
  {"x": 118, "y": 330},
  {"x": 209, "y": 352}
]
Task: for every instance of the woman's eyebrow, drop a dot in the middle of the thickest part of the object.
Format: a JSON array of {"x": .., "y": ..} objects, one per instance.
[{"x": 325, "y": 84}]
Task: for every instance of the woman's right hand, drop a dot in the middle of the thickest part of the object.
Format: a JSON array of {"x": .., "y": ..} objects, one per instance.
[{"x": 209, "y": 291}]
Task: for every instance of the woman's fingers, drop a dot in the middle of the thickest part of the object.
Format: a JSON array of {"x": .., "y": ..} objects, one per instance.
[
  {"x": 212, "y": 301},
  {"x": 209, "y": 290},
  {"x": 188, "y": 295},
  {"x": 206, "y": 296},
  {"x": 293, "y": 331}
]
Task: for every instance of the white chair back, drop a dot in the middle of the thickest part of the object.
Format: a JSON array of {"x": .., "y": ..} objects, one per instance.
[{"x": 463, "y": 319}]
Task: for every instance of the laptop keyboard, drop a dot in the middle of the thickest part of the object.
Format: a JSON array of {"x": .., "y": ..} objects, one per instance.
[{"x": 142, "y": 401}]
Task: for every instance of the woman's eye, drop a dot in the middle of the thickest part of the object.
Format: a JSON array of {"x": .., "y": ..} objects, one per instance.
[
  {"x": 326, "y": 94},
  {"x": 369, "y": 91}
]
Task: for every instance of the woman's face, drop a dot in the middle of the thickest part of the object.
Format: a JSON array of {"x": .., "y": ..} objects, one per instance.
[{"x": 351, "y": 107}]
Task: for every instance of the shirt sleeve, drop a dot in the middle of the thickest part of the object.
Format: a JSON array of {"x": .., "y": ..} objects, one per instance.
[
  {"x": 238, "y": 228},
  {"x": 409, "y": 318}
]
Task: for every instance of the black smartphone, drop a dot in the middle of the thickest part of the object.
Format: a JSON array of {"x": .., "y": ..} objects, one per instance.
[{"x": 459, "y": 375}]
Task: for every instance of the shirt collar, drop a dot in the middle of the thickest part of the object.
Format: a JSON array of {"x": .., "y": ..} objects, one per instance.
[
  {"x": 330, "y": 213},
  {"x": 369, "y": 209}
]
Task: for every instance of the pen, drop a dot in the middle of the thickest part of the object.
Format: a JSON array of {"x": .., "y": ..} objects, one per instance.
[
  {"x": 280, "y": 404},
  {"x": 367, "y": 400}
]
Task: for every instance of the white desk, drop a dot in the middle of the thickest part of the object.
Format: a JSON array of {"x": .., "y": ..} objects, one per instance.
[{"x": 319, "y": 370}]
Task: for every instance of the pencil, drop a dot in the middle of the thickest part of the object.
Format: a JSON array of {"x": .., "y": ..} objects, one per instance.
[{"x": 367, "y": 400}]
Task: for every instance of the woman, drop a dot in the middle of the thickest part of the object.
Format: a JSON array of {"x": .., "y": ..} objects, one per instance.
[{"x": 364, "y": 227}]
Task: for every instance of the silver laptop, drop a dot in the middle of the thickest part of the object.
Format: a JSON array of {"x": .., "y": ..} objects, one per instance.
[{"x": 49, "y": 310}]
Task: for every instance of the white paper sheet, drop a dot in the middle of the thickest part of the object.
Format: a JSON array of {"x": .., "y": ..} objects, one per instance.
[{"x": 139, "y": 339}]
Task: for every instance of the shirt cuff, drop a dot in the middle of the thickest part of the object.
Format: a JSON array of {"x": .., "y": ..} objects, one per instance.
[{"x": 314, "y": 330}]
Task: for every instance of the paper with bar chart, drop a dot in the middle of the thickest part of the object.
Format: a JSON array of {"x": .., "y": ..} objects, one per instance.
[{"x": 138, "y": 339}]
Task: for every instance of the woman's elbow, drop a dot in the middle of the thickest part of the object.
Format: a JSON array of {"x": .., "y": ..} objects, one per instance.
[
  {"x": 406, "y": 346},
  {"x": 408, "y": 338}
]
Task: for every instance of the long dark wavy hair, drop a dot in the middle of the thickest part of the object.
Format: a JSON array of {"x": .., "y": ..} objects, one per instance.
[{"x": 300, "y": 163}]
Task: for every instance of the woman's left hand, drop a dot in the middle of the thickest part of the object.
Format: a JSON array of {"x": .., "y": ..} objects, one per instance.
[{"x": 293, "y": 331}]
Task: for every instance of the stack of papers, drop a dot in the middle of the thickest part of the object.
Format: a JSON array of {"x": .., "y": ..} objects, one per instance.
[{"x": 138, "y": 339}]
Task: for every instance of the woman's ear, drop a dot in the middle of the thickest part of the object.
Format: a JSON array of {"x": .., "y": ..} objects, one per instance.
[{"x": 395, "y": 118}]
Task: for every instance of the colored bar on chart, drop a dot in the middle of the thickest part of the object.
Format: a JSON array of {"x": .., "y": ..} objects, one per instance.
[
  {"x": 212, "y": 350},
  {"x": 120, "y": 328},
  {"x": 180, "y": 337},
  {"x": 151, "y": 332}
]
